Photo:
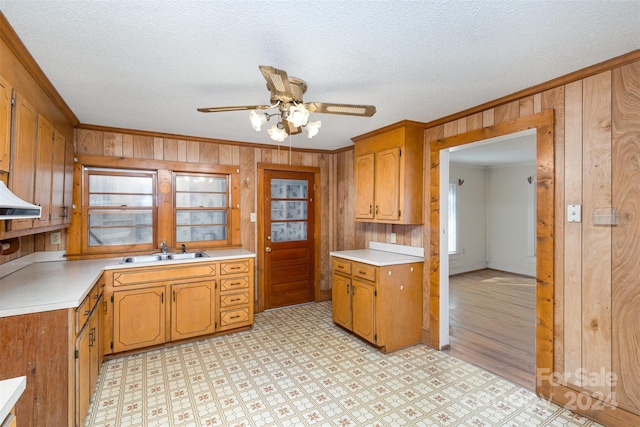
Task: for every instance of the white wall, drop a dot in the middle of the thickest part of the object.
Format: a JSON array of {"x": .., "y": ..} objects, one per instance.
[
  {"x": 509, "y": 208},
  {"x": 494, "y": 211},
  {"x": 472, "y": 219}
]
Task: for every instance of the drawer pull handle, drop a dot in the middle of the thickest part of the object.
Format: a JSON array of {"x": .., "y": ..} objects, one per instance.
[
  {"x": 235, "y": 284},
  {"x": 235, "y": 299},
  {"x": 362, "y": 272},
  {"x": 235, "y": 268},
  {"x": 234, "y": 317},
  {"x": 86, "y": 312}
]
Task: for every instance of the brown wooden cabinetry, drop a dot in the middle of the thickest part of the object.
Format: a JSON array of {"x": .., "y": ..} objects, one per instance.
[
  {"x": 388, "y": 174},
  {"x": 380, "y": 304},
  {"x": 192, "y": 309},
  {"x": 6, "y": 94},
  {"x": 154, "y": 305},
  {"x": 236, "y": 294},
  {"x": 39, "y": 161},
  {"x": 88, "y": 351}
]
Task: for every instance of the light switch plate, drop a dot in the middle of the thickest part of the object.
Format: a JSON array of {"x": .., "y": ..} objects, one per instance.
[
  {"x": 254, "y": 217},
  {"x": 574, "y": 213}
]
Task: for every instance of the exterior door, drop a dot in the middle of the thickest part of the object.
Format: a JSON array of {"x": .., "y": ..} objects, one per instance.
[{"x": 289, "y": 258}]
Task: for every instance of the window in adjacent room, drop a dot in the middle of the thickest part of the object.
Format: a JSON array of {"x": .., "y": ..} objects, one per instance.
[{"x": 453, "y": 218}]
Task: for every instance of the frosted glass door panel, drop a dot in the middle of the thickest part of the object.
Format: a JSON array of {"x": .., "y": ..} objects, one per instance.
[{"x": 288, "y": 231}]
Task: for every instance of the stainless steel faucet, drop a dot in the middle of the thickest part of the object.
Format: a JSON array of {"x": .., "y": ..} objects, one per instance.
[{"x": 163, "y": 246}]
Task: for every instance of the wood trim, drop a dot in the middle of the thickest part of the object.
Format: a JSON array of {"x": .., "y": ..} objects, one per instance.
[
  {"x": 400, "y": 124},
  {"x": 262, "y": 167},
  {"x": 20, "y": 51},
  {"x": 607, "y": 65},
  {"x": 543, "y": 123},
  {"x": 190, "y": 138}
]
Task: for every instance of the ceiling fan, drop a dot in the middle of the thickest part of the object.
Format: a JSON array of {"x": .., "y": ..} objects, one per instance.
[{"x": 286, "y": 96}]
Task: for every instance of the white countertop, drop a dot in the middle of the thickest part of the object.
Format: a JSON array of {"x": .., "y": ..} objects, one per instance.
[
  {"x": 381, "y": 254},
  {"x": 10, "y": 392},
  {"x": 46, "y": 286}
]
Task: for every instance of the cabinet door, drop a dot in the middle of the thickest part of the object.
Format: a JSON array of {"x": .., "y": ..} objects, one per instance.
[
  {"x": 387, "y": 197},
  {"x": 139, "y": 318},
  {"x": 95, "y": 346},
  {"x": 363, "y": 310},
  {"x": 24, "y": 158},
  {"x": 58, "y": 170},
  {"x": 5, "y": 124},
  {"x": 44, "y": 155},
  {"x": 364, "y": 186},
  {"x": 83, "y": 371},
  {"x": 192, "y": 309},
  {"x": 341, "y": 300},
  {"x": 67, "y": 205}
]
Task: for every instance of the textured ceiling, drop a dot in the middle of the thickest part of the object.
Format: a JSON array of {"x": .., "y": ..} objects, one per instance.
[{"x": 149, "y": 64}]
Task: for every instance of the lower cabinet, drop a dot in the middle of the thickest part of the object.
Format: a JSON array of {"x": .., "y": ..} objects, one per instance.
[
  {"x": 192, "y": 309},
  {"x": 138, "y": 318},
  {"x": 382, "y": 305},
  {"x": 150, "y": 306}
]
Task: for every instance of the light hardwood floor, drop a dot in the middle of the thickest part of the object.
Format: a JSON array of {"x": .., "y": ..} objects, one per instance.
[{"x": 492, "y": 323}]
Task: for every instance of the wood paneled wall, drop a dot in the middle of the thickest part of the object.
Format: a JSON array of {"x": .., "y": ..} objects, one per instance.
[
  {"x": 110, "y": 142},
  {"x": 597, "y": 164}
]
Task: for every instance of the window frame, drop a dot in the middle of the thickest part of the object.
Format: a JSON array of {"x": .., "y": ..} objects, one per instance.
[{"x": 86, "y": 209}]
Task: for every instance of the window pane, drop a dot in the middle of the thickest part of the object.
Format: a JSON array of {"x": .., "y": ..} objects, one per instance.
[
  {"x": 119, "y": 218},
  {"x": 281, "y": 209},
  {"x": 453, "y": 218},
  {"x": 205, "y": 184},
  {"x": 120, "y": 184},
  {"x": 120, "y": 200},
  {"x": 194, "y": 200},
  {"x": 116, "y": 236},
  {"x": 201, "y": 217},
  {"x": 201, "y": 233},
  {"x": 288, "y": 231},
  {"x": 289, "y": 189}
]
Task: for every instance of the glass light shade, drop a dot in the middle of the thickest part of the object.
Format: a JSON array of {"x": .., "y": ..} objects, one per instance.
[
  {"x": 313, "y": 128},
  {"x": 257, "y": 119},
  {"x": 298, "y": 115},
  {"x": 277, "y": 134}
]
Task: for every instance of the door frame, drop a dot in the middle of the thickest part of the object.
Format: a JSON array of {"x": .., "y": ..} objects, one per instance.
[
  {"x": 545, "y": 168},
  {"x": 262, "y": 167}
]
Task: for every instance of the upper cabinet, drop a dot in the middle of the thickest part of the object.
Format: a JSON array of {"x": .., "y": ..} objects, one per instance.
[
  {"x": 40, "y": 167},
  {"x": 388, "y": 174},
  {"x": 5, "y": 124}
]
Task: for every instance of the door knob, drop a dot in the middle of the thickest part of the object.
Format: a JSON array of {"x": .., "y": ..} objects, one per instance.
[{"x": 268, "y": 249}]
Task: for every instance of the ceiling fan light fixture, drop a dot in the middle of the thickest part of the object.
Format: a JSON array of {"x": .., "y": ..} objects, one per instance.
[
  {"x": 298, "y": 115},
  {"x": 258, "y": 119},
  {"x": 277, "y": 134},
  {"x": 313, "y": 128}
]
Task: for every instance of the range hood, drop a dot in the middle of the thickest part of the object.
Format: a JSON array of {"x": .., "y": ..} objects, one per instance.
[{"x": 13, "y": 207}]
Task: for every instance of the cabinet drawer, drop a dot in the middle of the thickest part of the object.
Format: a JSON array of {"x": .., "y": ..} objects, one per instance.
[
  {"x": 342, "y": 266},
  {"x": 234, "y": 267},
  {"x": 239, "y": 298},
  {"x": 233, "y": 284},
  {"x": 154, "y": 275},
  {"x": 84, "y": 310},
  {"x": 231, "y": 317},
  {"x": 364, "y": 271}
]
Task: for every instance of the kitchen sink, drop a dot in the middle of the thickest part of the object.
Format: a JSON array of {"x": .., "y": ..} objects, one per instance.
[
  {"x": 187, "y": 255},
  {"x": 133, "y": 259}
]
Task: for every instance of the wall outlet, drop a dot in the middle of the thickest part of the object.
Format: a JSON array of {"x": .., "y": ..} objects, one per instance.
[
  {"x": 56, "y": 238},
  {"x": 393, "y": 237}
]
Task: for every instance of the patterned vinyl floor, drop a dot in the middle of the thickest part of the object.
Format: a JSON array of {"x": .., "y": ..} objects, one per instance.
[{"x": 296, "y": 368}]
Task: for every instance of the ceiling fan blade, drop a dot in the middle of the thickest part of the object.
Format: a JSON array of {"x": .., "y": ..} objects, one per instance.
[
  {"x": 277, "y": 83},
  {"x": 237, "y": 108},
  {"x": 346, "y": 109}
]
